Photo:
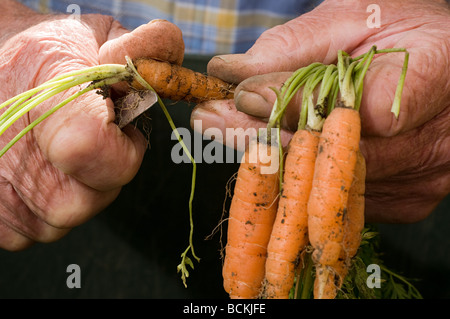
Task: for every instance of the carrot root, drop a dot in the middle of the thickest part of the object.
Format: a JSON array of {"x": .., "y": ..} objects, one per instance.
[{"x": 324, "y": 285}]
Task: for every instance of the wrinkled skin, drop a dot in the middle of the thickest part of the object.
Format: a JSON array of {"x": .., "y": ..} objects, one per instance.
[
  {"x": 70, "y": 168},
  {"x": 408, "y": 160}
]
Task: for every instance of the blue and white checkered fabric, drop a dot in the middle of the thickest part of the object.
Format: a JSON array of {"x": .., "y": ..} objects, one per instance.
[{"x": 208, "y": 26}]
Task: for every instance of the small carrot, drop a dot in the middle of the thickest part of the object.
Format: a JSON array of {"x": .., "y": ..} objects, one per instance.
[
  {"x": 336, "y": 204},
  {"x": 251, "y": 217},
  {"x": 333, "y": 177},
  {"x": 176, "y": 83},
  {"x": 290, "y": 230},
  {"x": 330, "y": 279},
  {"x": 354, "y": 219}
]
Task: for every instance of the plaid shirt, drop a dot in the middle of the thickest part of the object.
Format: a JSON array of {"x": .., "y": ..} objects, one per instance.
[{"x": 208, "y": 26}]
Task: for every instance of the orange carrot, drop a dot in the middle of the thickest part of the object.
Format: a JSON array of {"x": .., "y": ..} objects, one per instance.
[
  {"x": 330, "y": 279},
  {"x": 354, "y": 219},
  {"x": 333, "y": 177},
  {"x": 290, "y": 231},
  {"x": 252, "y": 213},
  {"x": 176, "y": 83}
]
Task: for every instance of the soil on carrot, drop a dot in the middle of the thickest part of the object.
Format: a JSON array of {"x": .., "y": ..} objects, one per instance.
[{"x": 104, "y": 91}]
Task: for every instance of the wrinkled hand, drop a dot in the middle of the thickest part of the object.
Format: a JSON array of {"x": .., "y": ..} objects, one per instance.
[
  {"x": 408, "y": 160},
  {"x": 74, "y": 164}
]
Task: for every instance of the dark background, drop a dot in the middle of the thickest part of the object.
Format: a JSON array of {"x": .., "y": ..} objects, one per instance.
[{"x": 131, "y": 250}]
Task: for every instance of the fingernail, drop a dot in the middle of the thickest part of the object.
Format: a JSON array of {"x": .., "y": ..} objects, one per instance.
[
  {"x": 231, "y": 58},
  {"x": 232, "y": 68},
  {"x": 244, "y": 95},
  {"x": 252, "y": 103}
]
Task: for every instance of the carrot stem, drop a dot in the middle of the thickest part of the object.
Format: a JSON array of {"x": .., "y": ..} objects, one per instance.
[
  {"x": 359, "y": 78},
  {"x": 395, "y": 109},
  {"x": 284, "y": 96},
  {"x": 308, "y": 278},
  {"x": 185, "y": 260},
  {"x": 288, "y": 90},
  {"x": 96, "y": 72},
  {"x": 347, "y": 87},
  {"x": 305, "y": 281},
  {"x": 51, "y": 88},
  {"x": 25, "y": 102},
  {"x": 326, "y": 86},
  {"x": 311, "y": 117},
  {"x": 389, "y": 50},
  {"x": 398, "y": 92},
  {"x": 53, "y": 110},
  {"x": 333, "y": 94},
  {"x": 299, "y": 79}
]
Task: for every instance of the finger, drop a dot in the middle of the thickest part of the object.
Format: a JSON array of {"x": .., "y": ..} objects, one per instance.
[
  {"x": 21, "y": 227},
  {"x": 423, "y": 96},
  {"x": 404, "y": 185},
  {"x": 315, "y": 36},
  {"x": 12, "y": 240},
  {"x": 255, "y": 97},
  {"x": 237, "y": 128},
  {"x": 401, "y": 152},
  {"x": 397, "y": 202},
  {"x": 72, "y": 205},
  {"x": 83, "y": 141},
  {"x": 45, "y": 196},
  {"x": 45, "y": 215}
]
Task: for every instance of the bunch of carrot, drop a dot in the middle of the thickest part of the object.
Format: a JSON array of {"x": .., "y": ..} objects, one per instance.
[{"x": 313, "y": 205}]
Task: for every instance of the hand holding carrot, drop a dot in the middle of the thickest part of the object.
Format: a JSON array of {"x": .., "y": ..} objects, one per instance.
[
  {"x": 407, "y": 159},
  {"x": 70, "y": 168}
]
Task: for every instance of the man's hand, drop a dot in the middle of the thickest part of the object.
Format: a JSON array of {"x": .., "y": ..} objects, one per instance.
[
  {"x": 74, "y": 164},
  {"x": 408, "y": 160}
]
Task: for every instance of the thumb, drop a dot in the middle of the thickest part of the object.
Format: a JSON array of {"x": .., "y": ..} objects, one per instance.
[
  {"x": 157, "y": 39},
  {"x": 313, "y": 37}
]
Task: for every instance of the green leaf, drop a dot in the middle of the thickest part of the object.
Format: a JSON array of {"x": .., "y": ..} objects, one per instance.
[
  {"x": 189, "y": 262},
  {"x": 184, "y": 272}
]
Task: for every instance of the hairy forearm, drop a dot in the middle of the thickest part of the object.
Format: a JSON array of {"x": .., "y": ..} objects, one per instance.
[{"x": 16, "y": 17}]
